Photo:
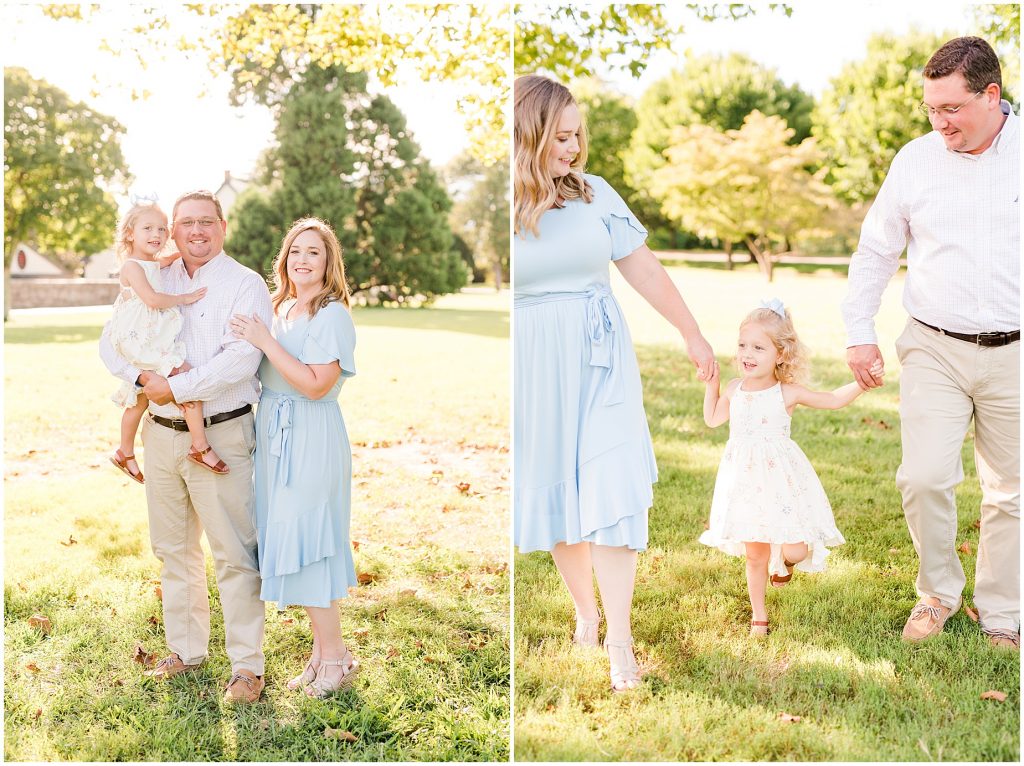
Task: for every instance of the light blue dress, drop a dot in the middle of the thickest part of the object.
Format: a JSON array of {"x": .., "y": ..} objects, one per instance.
[
  {"x": 303, "y": 475},
  {"x": 584, "y": 463}
]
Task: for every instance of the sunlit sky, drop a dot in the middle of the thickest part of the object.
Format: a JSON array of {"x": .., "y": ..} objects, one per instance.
[
  {"x": 807, "y": 48},
  {"x": 177, "y": 140}
]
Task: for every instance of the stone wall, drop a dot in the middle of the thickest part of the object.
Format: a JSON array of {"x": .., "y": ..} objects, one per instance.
[{"x": 46, "y": 293}]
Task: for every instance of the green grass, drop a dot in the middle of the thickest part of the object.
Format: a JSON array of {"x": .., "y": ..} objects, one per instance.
[
  {"x": 834, "y": 657},
  {"x": 427, "y": 411}
]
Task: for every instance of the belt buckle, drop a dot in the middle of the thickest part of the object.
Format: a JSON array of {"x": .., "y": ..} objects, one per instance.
[{"x": 995, "y": 336}]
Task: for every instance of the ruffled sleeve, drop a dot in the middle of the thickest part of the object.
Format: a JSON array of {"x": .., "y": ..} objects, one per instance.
[
  {"x": 626, "y": 231},
  {"x": 331, "y": 336}
]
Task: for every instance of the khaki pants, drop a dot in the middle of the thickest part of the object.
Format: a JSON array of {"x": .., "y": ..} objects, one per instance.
[
  {"x": 184, "y": 499},
  {"x": 945, "y": 382}
]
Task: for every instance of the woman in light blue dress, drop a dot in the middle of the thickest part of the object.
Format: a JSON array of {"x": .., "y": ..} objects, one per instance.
[
  {"x": 584, "y": 464},
  {"x": 303, "y": 475}
]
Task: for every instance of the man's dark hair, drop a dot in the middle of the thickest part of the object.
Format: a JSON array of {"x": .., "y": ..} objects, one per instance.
[{"x": 972, "y": 57}]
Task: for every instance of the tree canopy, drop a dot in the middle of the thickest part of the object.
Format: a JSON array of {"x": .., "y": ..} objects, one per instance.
[
  {"x": 481, "y": 213},
  {"x": 870, "y": 110},
  {"x": 750, "y": 185},
  {"x": 62, "y": 160},
  {"x": 346, "y": 156}
]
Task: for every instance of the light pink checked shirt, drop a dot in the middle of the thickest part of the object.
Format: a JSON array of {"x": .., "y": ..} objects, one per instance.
[
  {"x": 223, "y": 374},
  {"x": 958, "y": 216}
]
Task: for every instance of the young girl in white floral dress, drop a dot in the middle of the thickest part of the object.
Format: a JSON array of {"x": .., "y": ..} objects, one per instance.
[
  {"x": 144, "y": 330},
  {"x": 769, "y": 504}
]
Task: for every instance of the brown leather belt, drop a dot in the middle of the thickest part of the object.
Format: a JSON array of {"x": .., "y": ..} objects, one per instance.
[
  {"x": 981, "y": 339},
  {"x": 179, "y": 424}
]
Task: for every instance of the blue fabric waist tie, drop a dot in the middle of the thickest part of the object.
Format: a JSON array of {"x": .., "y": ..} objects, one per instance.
[
  {"x": 602, "y": 317},
  {"x": 279, "y": 431}
]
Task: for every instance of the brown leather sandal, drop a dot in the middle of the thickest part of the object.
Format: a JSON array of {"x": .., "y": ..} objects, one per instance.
[
  {"x": 778, "y": 581},
  {"x": 121, "y": 461},
  {"x": 196, "y": 456},
  {"x": 758, "y": 628}
]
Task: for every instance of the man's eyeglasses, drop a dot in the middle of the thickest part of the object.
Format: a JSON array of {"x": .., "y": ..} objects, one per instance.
[
  {"x": 945, "y": 111},
  {"x": 204, "y": 223}
]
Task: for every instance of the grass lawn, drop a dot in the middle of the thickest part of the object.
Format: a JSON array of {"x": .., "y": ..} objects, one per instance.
[
  {"x": 834, "y": 657},
  {"x": 427, "y": 412}
]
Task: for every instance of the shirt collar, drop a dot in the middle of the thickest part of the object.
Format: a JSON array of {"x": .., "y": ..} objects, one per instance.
[{"x": 207, "y": 268}]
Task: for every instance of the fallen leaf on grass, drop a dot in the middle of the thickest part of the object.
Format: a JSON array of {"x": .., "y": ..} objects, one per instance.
[
  {"x": 463, "y": 487},
  {"x": 392, "y": 653},
  {"x": 143, "y": 657},
  {"x": 707, "y": 525},
  {"x": 355, "y": 545},
  {"x": 264, "y": 724},
  {"x": 407, "y": 592},
  {"x": 488, "y": 590},
  {"x": 971, "y": 613},
  {"x": 342, "y": 734},
  {"x": 71, "y": 541},
  {"x": 447, "y": 509},
  {"x": 153, "y": 620},
  {"x": 22, "y": 588},
  {"x": 382, "y": 444},
  {"x": 365, "y": 578},
  {"x": 38, "y": 621},
  {"x": 992, "y": 694},
  {"x": 977, "y": 524},
  {"x": 39, "y": 712},
  {"x": 159, "y": 592},
  {"x": 965, "y": 547},
  {"x": 33, "y": 667},
  {"x": 361, "y": 632},
  {"x": 288, "y": 621},
  {"x": 787, "y": 718}
]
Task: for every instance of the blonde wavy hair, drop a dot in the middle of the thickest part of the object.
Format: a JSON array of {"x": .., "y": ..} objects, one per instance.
[
  {"x": 123, "y": 233},
  {"x": 792, "y": 366},
  {"x": 335, "y": 286},
  {"x": 539, "y": 103}
]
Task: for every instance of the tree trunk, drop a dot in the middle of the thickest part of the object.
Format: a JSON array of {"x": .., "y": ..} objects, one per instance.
[
  {"x": 498, "y": 275},
  {"x": 728, "y": 256},
  {"x": 762, "y": 256}
]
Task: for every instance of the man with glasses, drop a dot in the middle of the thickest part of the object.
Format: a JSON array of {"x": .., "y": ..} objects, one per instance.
[
  {"x": 951, "y": 199},
  {"x": 183, "y": 497}
]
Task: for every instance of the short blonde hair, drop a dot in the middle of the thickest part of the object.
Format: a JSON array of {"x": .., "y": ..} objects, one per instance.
[
  {"x": 335, "y": 287},
  {"x": 792, "y": 365},
  {"x": 122, "y": 235},
  {"x": 200, "y": 194},
  {"x": 539, "y": 103}
]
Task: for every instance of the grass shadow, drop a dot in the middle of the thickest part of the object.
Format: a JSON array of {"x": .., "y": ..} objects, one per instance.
[
  {"x": 492, "y": 324},
  {"x": 46, "y": 334}
]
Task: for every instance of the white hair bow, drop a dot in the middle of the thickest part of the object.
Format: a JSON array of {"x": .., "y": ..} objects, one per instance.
[
  {"x": 147, "y": 198},
  {"x": 775, "y": 304}
]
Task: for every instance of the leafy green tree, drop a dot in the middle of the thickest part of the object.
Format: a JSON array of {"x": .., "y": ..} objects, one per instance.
[
  {"x": 481, "y": 214},
  {"x": 610, "y": 124},
  {"x": 62, "y": 160},
  {"x": 870, "y": 110},
  {"x": 714, "y": 90},
  {"x": 265, "y": 48},
  {"x": 1000, "y": 26},
  {"x": 346, "y": 156},
  {"x": 751, "y": 185},
  {"x": 567, "y": 42}
]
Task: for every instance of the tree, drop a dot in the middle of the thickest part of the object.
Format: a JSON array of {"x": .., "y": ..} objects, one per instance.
[
  {"x": 265, "y": 48},
  {"x": 870, "y": 110},
  {"x": 610, "y": 124},
  {"x": 346, "y": 156},
  {"x": 1000, "y": 26},
  {"x": 62, "y": 159},
  {"x": 566, "y": 42},
  {"x": 751, "y": 185},
  {"x": 481, "y": 214},
  {"x": 714, "y": 90}
]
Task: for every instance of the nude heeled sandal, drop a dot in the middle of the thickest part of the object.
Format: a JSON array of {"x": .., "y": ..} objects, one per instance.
[
  {"x": 585, "y": 635},
  {"x": 321, "y": 688},
  {"x": 625, "y": 677}
]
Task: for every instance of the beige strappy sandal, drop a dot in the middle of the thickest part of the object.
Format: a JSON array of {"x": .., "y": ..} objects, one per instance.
[
  {"x": 626, "y": 675},
  {"x": 320, "y": 687},
  {"x": 307, "y": 676},
  {"x": 585, "y": 635}
]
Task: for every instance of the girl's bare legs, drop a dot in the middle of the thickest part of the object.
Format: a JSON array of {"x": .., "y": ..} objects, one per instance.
[
  {"x": 574, "y": 565},
  {"x": 615, "y": 568},
  {"x": 326, "y": 624},
  {"x": 794, "y": 553},
  {"x": 757, "y": 577},
  {"x": 197, "y": 430},
  {"x": 130, "y": 421}
]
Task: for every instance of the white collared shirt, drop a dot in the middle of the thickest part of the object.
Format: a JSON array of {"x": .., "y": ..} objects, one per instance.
[
  {"x": 223, "y": 374},
  {"x": 958, "y": 216}
]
